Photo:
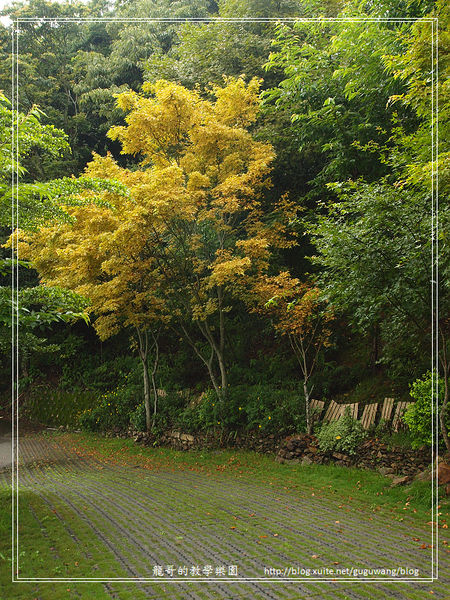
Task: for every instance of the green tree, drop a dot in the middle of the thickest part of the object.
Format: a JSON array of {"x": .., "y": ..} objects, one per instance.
[
  {"x": 202, "y": 53},
  {"x": 335, "y": 93},
  {"x": 45, "y": 75},
  {"x": 35, "y": 307},
  {"x": 379, "y": 244}
]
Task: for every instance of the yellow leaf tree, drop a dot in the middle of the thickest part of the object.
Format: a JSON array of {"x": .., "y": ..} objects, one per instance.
[
  {"x": 101, "y": 251},
  {"x": 191, "y": 233},
  {"x": 299, "y": 313}
]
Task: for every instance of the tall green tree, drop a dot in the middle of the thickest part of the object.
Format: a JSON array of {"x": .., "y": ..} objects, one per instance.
[
  {"x": 379, "y": 243},
  {"x": 36, "y": 307},
  {"x": 202, "y": 53},
  {"x": 335, "y": 92}
]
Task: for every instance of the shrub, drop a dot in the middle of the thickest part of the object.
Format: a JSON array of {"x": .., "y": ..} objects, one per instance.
[
  {"x": 273, "y": 410},
  {"x": 102, "y": 376},
  {"x": 138, "y": 418},
  {"x": 55, "y": 406},
  {"x": 343, "y": 435},
  {"x": 111, "y": 410},
  {"x": 169, "y": 408},
  {"x": 418, "y": 416},
  {"x": 202, "y": 415},
  {"x": 263, "y": 407}
]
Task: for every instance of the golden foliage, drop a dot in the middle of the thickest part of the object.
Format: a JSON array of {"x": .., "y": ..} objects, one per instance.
[
  {"x": 192, "y": 223},
  {"x": 296, "y": 307}
]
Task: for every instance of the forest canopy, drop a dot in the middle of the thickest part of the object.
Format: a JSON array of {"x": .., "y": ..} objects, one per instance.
[{"x": 241, "y": 195}]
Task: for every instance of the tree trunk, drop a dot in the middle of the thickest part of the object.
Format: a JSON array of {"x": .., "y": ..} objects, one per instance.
[
  {"x": 154, "y": 369},
  {"x": 148, "y": 417},
  {"x": 143, "y": 353},
  {"x": 308, "y": 418},
  {"x": 223, "y": 373},
  {"x": 217, "y": 352},
  {"x": 220, "y": 350},
  {"x": 213, "y": 377},
  {"x": 300, "y": 353}
]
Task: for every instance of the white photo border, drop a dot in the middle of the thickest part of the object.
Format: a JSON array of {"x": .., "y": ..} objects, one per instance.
[{"x": 15, "y": 315}]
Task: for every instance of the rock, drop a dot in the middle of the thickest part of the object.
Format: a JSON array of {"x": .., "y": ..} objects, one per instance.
[
  {"x": 306, "y": 460},
  {"x": 280, "y": 459},
  {"x": 423, "y": 475},
  {"x": 443, "y": 473},
  {"x": 340, "y": 456},
  {"x": 400, "y": 480},
  {"x": 187, "y": 437},
  {"x": 295, "y": 461},
  {"x": 313, "y": 449},
  {"x": 385, "y": 470}
]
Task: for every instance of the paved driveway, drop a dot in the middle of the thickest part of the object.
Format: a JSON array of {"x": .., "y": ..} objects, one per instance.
[{"x": 175, "y": 525}]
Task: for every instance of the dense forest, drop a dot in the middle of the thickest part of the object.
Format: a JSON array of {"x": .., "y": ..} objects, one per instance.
[{"x": 221, "y": 210}]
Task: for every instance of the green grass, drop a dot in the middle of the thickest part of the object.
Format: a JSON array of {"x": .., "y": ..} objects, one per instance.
[
  {"x": 46, "y": 550},
  {"x": 364, "y": 487}
]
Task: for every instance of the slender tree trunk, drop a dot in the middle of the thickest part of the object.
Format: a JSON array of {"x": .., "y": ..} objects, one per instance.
[
  {"x": 306, "y": 392},
  {"x": 223, "y": 373},
  {"x": 300, "y": 351},
  {"x": 208, "y": 362},
  {"x": 154, "y": 369},
  {"x": 220, "y": 351},
  {"x": 143, "y": 354},
  {"x": 213, "y": 378},
  {"x": 148, "y": 418}
]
